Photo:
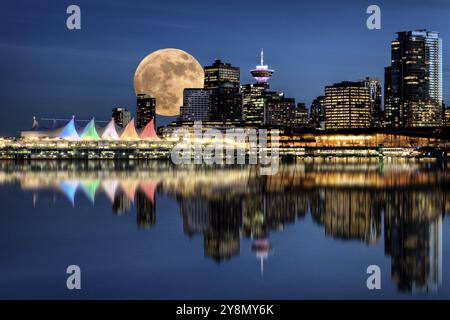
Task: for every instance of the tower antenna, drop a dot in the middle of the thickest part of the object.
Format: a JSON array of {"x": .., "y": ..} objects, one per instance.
[{"x": 262, "y": 56}]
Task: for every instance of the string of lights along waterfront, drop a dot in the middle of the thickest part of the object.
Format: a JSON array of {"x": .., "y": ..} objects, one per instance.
[{"x": 414, "y": 113}]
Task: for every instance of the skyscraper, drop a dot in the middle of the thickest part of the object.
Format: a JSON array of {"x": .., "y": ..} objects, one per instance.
[
  {"x": 121, "y": 116},
  {"x": 317, "y": 113},
  {"x": 196, "y": 105},
  {"x": 220, "y": 73},
  {"x": 146, "y": 107},
  {"x": 414, "y": 80},
  {"x": 347, "y": 105},
  {"x": 374, "y": 86},
  {"x": 226, "y": 101},
  {"x": 253, "y": 102},
  {"x": 299, "y": 116},
  {"x": 278, "y": 110}
]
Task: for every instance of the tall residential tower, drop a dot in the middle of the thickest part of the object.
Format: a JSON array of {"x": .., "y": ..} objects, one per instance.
[{"x": 413, "y": 82}]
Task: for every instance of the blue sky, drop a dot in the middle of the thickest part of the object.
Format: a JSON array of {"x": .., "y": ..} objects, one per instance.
[{"x": 48, "y": 71}]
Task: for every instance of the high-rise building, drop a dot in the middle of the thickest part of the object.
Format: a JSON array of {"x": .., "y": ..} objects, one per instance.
[
  {"x": 446, "y": 117},
  {"x": 299, "y": 116},
  {"x": 121, "y": 116},
  {"x": 196, "y": 105},
  {"x": 278, "y": 110},
  {"x": 413, "y": 90},
  {"x": 220, "y": 73},
  {"x": 226, "y": 101},
  {"x": 253, "y": 102},
  {"x": 374, "y": 86},
  {"x": 146, "y": 107},
  {"x": 317, "y": 113},
  {"x": 347, "y": 105}
]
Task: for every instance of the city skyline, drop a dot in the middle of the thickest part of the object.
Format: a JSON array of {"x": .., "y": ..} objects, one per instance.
[{"x": 332, "y": 60}]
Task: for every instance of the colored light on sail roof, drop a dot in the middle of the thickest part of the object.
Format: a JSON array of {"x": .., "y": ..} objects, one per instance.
[
  {"x": 110, "y": 132},
  {"x": 130, "y": 132},
  {"x": 69, "y": 132},
  {"x": 89, "y": 132},
  {"x": 149, "y": 131}
]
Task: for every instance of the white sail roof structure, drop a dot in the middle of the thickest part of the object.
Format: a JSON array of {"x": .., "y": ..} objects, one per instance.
[{"x": 110, "y": 132}]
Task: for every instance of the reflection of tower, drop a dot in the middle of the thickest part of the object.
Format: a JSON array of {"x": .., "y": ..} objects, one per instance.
[
  {"x": 262, "y": 73},
  {"x": 145, "y": 209},
  {"x": 262, "y": 248}
]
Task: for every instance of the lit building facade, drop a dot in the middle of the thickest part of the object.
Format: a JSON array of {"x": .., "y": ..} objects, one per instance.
[
  {"x": 299, "y": 116},
  {"x": 447, "y": 117},
  {"x": 220, "y": 73},
  {"x": 121, "y": 116},
  {"x": 253, "y": 102},
  {"x": 278, "y": 110},
  {"x": 347, "y": 105},
  {"x": 196, "y": 105},
  {"x": 413, "y": 95},
  {"x": 146, "y": 107}
]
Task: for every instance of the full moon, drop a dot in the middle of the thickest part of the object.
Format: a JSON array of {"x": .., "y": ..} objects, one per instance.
[{"x": 164, "y": 74}]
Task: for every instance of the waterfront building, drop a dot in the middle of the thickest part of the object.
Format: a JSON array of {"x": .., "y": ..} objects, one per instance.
[
  {"x": 121, "y": 116},
  {"x": 146, "y": 108},
  {"x": 413, "y": 81},
  {"x": 347, "y": 105}
]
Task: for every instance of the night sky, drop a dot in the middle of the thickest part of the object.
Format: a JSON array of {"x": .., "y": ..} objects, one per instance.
[{"x": 49, "y": 71}]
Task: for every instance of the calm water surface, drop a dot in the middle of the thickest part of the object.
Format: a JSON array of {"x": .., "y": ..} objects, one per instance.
[{"x": 150, "y": 230}]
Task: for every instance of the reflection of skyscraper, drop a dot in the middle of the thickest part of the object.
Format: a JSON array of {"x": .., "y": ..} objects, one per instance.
[
  {"x": 222, "y": 241},
  {"x": 145, "y": 209},
  {"x": 121, "y": 203},
  {"x": 195, "y": 215},
  {"x": 348, "y": 214},
  {"x": 413, "y": 239}
]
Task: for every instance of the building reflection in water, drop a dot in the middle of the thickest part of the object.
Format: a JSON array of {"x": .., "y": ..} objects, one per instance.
[{"x": 351, "y": 201}]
